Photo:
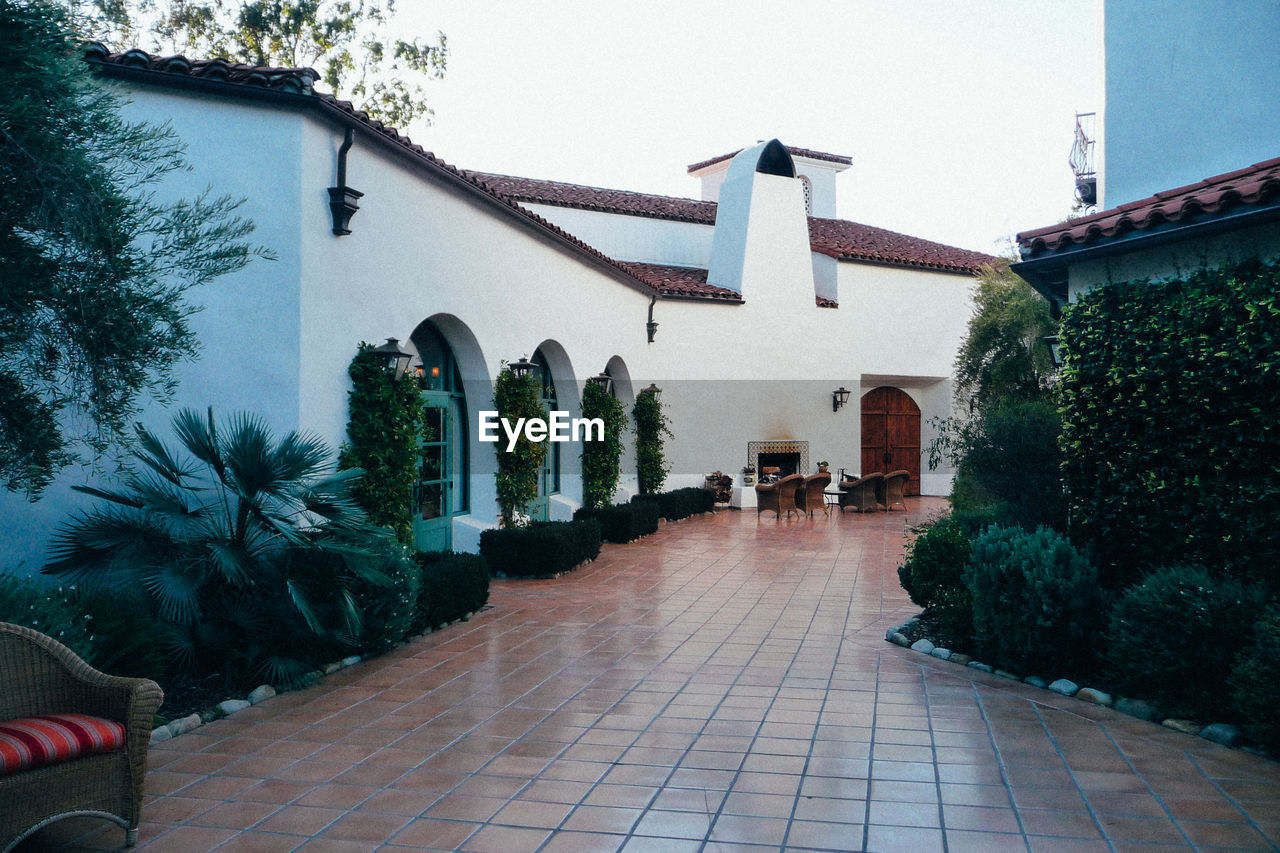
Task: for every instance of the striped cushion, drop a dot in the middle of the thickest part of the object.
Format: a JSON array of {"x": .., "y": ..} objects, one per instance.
[{"x": 36, "y": 741}]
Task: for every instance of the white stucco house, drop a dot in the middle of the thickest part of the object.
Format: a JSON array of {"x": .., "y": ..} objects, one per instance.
[
  {"x": 1188, "y": 174},
  {"x": 748, "y": 307}
]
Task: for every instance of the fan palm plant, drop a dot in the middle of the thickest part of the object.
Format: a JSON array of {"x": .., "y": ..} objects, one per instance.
[{"x": 249, "y": 549}]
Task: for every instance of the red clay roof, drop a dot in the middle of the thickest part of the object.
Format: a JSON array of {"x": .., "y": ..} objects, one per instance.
[
  {"x": 1251, "y": 185},
  {"x": 795, "y": 152},
  {"x": 681, "y": 282},
  {"x": 838, "y": 238}
]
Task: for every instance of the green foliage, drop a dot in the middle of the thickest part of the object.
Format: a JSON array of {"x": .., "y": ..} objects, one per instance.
[
  {"x": 94, "y": 268},
  {"x": 651, "y": 427},
  {"x": 1007, "y": 458},
  {"x": 1170, "y": 392},
  {"x": 936, "y": 560},
  {"x": 1004, "y": 354},
  {"x": 624, "y": 522},
  {"x": 680, "y": 503},
  {"x": 384, "y": 417},
  {"x": 112, "y": 632},
  {"x": 354, "y": 45},
  {"x": 248, "y": 548},
  {"x": 1255, "y": 681},
  {"x": 601, "y": 459},
  {"x": 388, "y": 602},
  {"x": 516, "y": 397},
  {"x": 453, "y": 585},
  {"x": 1035, "y": 600},
  {"x": 541, "y": 549},
  {"x": 1173, "y": 637}
]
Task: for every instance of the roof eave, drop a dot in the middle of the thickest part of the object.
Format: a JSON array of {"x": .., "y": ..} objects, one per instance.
[{"x": 1046, "y": 270}]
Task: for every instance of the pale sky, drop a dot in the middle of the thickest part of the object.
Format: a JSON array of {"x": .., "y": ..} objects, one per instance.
[{"x": 958, "y": 115}]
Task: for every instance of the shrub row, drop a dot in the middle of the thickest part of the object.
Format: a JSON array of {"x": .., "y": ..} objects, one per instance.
[
  {"x": 541, "y": 549},
  {"x": 680, "y": 503},
  {"x": 453, "y": 585},
  {"x": 1194, "y": 643},
  {"x": 624, "y": 522}
]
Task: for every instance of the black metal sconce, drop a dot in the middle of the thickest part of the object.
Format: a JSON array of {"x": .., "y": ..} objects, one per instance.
[
  {"x": 839, "y": 397},
  {"x": 602, "y": 381},
  {"x": 396, "y": 358},
  {"x": 653, "y": 390},
  {"x": 342, "y": 198},
  {"x": 522, "y": 367},
  {"x": 1055, "y": 349},
  {"x": 651, "y": 327}
]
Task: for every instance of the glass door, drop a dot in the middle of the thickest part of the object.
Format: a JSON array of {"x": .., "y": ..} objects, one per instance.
[{"x": 432, "y": 494}]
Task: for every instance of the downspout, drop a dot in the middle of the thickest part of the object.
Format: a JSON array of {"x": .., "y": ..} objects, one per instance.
[
  {"x": 342, "y": 198},
  {"x": 651, "y": 327}
]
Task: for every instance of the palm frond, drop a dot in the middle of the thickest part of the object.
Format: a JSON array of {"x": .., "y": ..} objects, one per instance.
[
  {"x": 303, "y": 605},
  {"x": 284, "y": 671},
  {"x": 301, "y": 456},
  {"x": 153, "y": 453},
  {"x": 251, "y": 469},
  {"x": 177, "y": 596},
  {"x": 231, "y": 561},
  {"x": 199, "y": 436}
]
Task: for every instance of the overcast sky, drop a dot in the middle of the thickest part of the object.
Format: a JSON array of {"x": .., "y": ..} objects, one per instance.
[{"x": 958, "y": 115}]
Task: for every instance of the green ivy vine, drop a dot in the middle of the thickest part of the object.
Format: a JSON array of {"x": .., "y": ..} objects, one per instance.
[
  {"x": 516, "y": 397},
  {"x": 651, "y": 427},
  {"x": 384, "y": 416},
  {"x": 601, "y": 459}
]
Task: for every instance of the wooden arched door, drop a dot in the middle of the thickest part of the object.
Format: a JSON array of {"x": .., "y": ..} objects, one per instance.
[{"x": 891, "y": 434}]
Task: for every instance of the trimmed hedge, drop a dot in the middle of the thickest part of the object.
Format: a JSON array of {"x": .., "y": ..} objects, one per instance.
[
  {"x": 453, "y": 585},
  {"x": 541, "y": 549},
  {"x": 681, "y": 503},
  {"x": 1173, "y": 638},
  {"x": 1170, "y": 392},
  {"x": 1035, "y": 600},
  {"x": 387, "y": 610},
  {"x": 1255, "y": 682},
  {"x": 624, "y": 522}
]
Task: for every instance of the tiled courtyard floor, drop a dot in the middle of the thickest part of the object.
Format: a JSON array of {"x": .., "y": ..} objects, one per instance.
[{"x": 721, "y": 685}]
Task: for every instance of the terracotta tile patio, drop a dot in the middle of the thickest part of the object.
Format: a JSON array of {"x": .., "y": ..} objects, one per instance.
[{"x": 721, "y": 685}]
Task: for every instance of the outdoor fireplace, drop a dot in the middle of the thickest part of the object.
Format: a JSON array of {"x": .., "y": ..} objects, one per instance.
[{"x": 791, "y": 457}]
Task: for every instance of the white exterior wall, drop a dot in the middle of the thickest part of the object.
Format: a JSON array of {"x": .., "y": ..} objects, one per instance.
[
  {"x": 278, "y": 336},
  {"x": 1190, "y": 92},
  {"x": 634, "y": 238}
]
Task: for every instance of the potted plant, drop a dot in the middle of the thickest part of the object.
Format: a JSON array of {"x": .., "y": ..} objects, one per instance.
[
  {"x": 822, "y": 467},
  {"x": 749, "y": 475}
]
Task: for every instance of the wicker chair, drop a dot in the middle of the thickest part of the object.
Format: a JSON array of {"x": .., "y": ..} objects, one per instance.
[
  {"x": 39, "y": 675},
  {"x": 892, "y": 489},
  {"x": 780, "y": 496},
  {"x": 810, "y": 494},
  {"x": 860, "y": 494}
]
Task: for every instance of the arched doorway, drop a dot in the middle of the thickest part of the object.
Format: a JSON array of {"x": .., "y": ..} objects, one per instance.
[
  {"x": 442, "y": 488},
  {"x": 549, "y": 477},
  {"x": 891, "y": 434}
]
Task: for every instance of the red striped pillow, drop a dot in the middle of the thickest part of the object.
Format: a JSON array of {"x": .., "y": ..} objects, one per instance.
[{"x": 50, "y": 738}]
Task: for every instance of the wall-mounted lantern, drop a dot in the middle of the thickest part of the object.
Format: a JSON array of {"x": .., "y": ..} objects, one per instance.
[
  {"x": 654, "y": 390},
  {"x": 396, "y": 358},
  {"x": 1055, "y": 349},
  {"x": 839, "y": 397},
  {"x": 601, "y": 380},
  {"x": 522, "y": 367}
]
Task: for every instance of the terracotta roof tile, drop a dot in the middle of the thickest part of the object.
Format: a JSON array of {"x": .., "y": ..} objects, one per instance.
[
  {"x": 795, "y": 152},
  {"x": 1252, "y": 185},
  {"x": 681, "y": 282},
  {"x": 837, "y": 238}
]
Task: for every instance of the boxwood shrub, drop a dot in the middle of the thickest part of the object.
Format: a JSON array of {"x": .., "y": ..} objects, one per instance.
[
  {"x": 387, "y": 610},
  {"x": 624, "y": 522},
  {"x": 453, "y": 585},
  {"x": 681, "y": 503},
  {"x": 541, "y": 549},
  {"x": 1255, "y": 682},
  {"x": 1035, "y": 601},
  {"x": 1172, "y": 639}
]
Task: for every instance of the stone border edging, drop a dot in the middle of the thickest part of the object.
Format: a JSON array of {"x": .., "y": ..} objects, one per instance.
[{"x": 1223, "y": 734}]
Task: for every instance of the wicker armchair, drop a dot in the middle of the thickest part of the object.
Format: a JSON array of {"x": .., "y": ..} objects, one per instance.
[
  {"x": 39, "y": 675},
  {"x": 860, "y": 494},
  {"x": 809, "y": 496},
  {"x": 780, "y": 496},
  {"x": 892, "y": 489}
]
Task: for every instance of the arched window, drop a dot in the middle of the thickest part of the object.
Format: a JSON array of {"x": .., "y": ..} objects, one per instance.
[{"x": 808, "y": 194}]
